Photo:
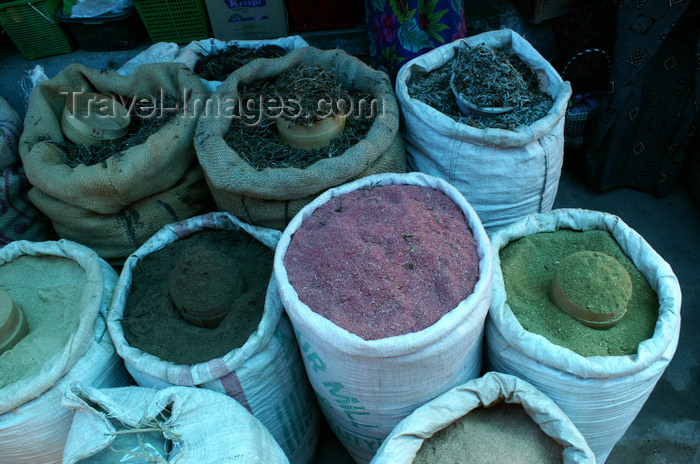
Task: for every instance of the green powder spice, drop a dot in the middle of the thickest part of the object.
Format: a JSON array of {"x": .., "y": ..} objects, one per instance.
[
  {"x": 528, "y": 266},
  {"x": 47, "y": 289},
  {"x": 500, "y": 434},
  {"x": 595, "y": 282}
]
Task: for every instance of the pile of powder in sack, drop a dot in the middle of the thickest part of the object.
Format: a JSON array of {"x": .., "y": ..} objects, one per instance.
[
  {"x": 500, "y": 434},
  {"x": 152, "y": 323},
  {"x": 384, "y": 261},
  {"x": 529, "y": 264},
  {"x": 47, "y": 289}
]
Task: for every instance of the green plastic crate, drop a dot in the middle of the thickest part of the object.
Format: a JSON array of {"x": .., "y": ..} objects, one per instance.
[
  {"x": 179, "y": 21},
  {"x": 31, "y": 26}
]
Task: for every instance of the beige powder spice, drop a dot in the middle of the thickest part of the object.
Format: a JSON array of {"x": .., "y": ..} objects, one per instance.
[
  {"x": 47, "y": 289},
  {"x": 500, "y": 434}
]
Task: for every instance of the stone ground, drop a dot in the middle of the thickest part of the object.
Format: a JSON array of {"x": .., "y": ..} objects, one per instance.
[{"x": 667, "y": 430}]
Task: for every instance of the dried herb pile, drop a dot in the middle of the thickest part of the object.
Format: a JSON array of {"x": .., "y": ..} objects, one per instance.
[
  {"x": 147, "y": 118},
  {"x": 217, "y": 66},
  {"x": 487, "y": 78},
  {"x": 309, "y": 94}
]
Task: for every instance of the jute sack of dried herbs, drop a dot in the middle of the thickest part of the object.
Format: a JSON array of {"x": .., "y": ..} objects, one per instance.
[
  {"x": 505, "y": 174},
  {"x": 115, "y": 204},
  {"x": 366, "y": 387},
  {"x": 19, "y": 219},
  {"x": 405, "y": 441},
  {"x": 176, "y": 425},
  {"x": 265, "y": 374},
  {"x": 601, "y": 394},
  {"x": 194, "y": 52},
  {"x": 33, "y": 425},
  {"x": 272, "y": 196}
]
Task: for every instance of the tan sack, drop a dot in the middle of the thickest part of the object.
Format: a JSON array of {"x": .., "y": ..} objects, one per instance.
[
  {"x": 272, "y": 196},
  {"x": 107, "y": 192}
]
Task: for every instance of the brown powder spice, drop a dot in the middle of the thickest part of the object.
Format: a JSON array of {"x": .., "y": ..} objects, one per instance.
[
  {"x": 384, "y": 261},
  {"x": 500, "y": 434},
  {"x": 153, "y": 324}
]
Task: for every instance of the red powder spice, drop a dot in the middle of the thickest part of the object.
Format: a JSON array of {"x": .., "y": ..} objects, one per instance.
[{"x": 384, "y": 261}]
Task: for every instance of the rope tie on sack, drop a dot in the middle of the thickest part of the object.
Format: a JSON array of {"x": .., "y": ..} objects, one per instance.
[{"x": 41, "y": 13}]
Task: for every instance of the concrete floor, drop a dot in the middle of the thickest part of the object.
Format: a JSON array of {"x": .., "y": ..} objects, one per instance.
[{"x": 667, "y": 431}]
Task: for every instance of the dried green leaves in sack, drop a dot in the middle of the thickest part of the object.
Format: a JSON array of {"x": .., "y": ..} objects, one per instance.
[
  {"x": 509, "y": 168},
  {"x": 107, "y": 190},
  {"x": 255, "y": 173},
  {"x": 214, "y": 60}
]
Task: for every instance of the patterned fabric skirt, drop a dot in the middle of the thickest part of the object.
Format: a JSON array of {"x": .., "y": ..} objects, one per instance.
[{"x": 400, "y": 30}]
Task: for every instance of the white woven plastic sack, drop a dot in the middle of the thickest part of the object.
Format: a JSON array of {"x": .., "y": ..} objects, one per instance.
[
  {"x": 192, "y": 53},
  {"x": 203, "y": 426},
  {"x": 407, "y": 438},
  {"x": 265, "y": 375},
  {"x": 601, "y": 394},
  {"x": 366, "y": 387},
  {"x": 10, "y": 130},
  {"x": 161, "y": 52},
  {"x": 504, "y": 174},
  {"x": 33, "y": 425}
]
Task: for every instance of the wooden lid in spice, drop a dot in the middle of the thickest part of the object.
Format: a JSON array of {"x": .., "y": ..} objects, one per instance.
[
  {"x": 90, "y": 118},
  {"x": 307, "y": 138},
  {"x": 202, "y": 300},
  {"x": 592, "y": 287},
  {"x": 13, "y": 324}
]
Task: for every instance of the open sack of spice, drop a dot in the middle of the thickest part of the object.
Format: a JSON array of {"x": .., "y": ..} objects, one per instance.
[
  {"x": 176, "y": 425},
  {"x": 494, "y": 419},
  {"x": 196, "y": 305},
  {"x": 110, "y": 157},
  {"x": 487, "y": 114},
  {"x": 54, "y": 298},
  {"x": 387, "y": 281},
  {"x": 585, "y": 310},
  {"x": 214, "y": 60},
  {"x": 277, "y": 133},
  {"x": 19, "y": 219}
]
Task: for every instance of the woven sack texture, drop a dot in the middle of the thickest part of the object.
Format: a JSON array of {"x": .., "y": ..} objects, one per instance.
[
  {"x": 504, "y": 174},
  {"x": 265, "y": 375},
  {"x": 601, "y": 394},
  {"x": 491, "y": 389},
  {"x": 19, "y": 219},
  {"x": 106, "y": 191},
  {"x": 33, "y": 425},
  {"x": 272, "y": 196},
  {"x": 204, "y": 427},
  {"x": 365, "y": 387}
]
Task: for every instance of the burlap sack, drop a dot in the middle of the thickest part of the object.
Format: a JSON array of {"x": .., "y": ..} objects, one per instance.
[
  {"x": 114, "y": 236},
  {"x": 271, "y": 197},
  {"x": 98, "y": 202}
]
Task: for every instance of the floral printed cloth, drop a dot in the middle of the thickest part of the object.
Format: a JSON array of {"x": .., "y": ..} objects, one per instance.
[{"x": 400, "y": 30}]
